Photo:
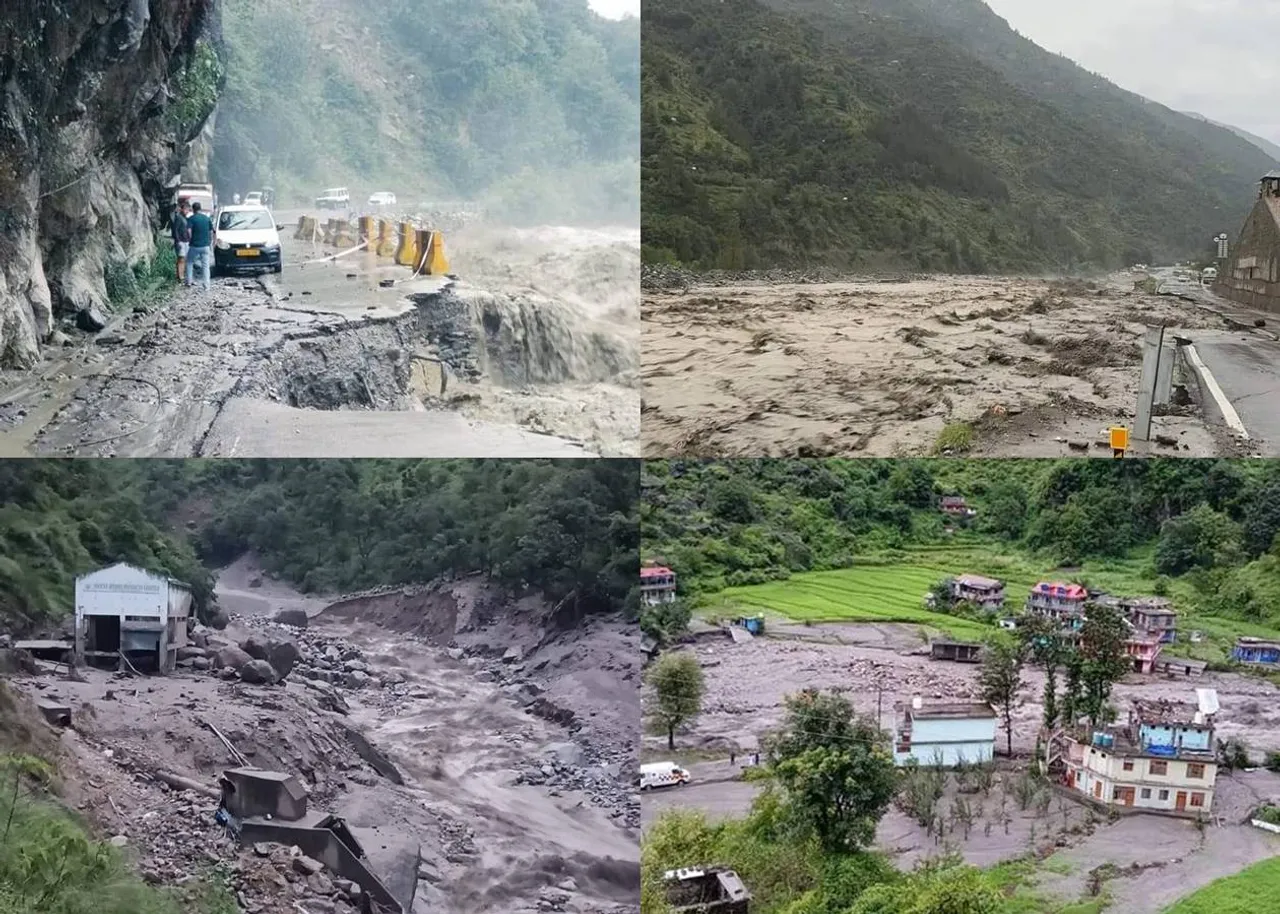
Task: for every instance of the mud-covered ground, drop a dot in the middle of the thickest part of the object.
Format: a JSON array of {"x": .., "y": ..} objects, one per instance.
[
  {"x": 875, "y": 666},
  {"x": 516, "y": 746},
  {"x": 880, "y": 368},
  {"x": 531, "y": 350}
]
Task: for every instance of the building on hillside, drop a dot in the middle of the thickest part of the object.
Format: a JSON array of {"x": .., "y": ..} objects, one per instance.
[
  {"x": 131, "y": 616},
  {"x": 1256, "y": 650},
  {"x": 987, "y": 593},
  {"x": 959, "y": 651},
  {"x": 955, "y": 506},
  {"x": 1064, "y": 603},
  {"x": 1251, "y": 274},
  {"x": 1143, "y": 649},
  {"x": 1161, "y": 759},
  {"x": 1173, "y": 667},
  {"x": 657, "y": 585},
  {"x": 1152, "y": 614},
  {"x": 943, "y": 733}
]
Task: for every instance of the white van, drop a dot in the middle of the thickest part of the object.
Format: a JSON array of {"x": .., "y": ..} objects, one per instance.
[{"x": 662, "y": 774}]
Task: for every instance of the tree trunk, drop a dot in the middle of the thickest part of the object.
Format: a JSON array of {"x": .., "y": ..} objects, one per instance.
[
  {"x": 671, "y": 736},
  {"x": 1008, "y": 729}
]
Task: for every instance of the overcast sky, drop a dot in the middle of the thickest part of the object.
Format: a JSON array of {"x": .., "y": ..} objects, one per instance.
[
  {"x": 616, "y": 9},
  {"x": 1215, "y": 57}
]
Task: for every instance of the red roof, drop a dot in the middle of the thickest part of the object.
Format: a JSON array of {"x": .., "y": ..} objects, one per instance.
[
  {"x": 657, "y": 571},
  {"x": 1054, "y": 588}
]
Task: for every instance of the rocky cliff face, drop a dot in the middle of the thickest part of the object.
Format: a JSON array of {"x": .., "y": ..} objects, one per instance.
[{"x": 95, "y": 123}]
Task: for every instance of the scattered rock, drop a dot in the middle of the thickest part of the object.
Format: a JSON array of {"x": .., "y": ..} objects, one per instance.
[
  {"x": 295, "y": 617},
  {"x": 282, "y": 655},
  {"x": 258, "y": 672},
  {"x": 255, "y": 647},
  {"x": 232, "y": 657}
]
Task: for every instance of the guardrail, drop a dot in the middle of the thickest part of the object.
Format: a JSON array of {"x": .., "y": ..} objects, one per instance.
[{"x": 422, "y": 250}]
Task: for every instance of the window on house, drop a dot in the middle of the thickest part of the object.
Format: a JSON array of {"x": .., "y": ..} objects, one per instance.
[
  {"x": 1197, "y": 799},
  {"x": 1164, "y": 794},
  {"x": 1159, "y": 768},
  {"x": 1195, "y": 770},
  {"x": 1146, "y": 793},
  {"x": 1128, "y": 764}
]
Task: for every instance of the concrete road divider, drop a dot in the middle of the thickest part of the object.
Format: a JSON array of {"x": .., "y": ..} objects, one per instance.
[
  {"x": 386, "y": 245},
  {"x": 308, "y": 230},
  {"x": 407, "y": 253},
  {"x": 368, "y": 229},
  {"x": 432, "y": 261}
]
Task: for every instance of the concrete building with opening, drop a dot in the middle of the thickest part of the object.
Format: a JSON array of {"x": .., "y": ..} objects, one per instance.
[
  {"x": 1251, "y": 274},
  {"x": 131, "y": 616},
  {"x": 943, "y": 733},
  {"x": 1063, "y": 603}
]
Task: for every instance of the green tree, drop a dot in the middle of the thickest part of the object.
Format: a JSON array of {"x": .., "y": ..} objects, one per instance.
[
  {"x": 1262, "y": 518},
  {"x": 679, "y": 685},
  {"x": 1103, "y": 658},
  {"x": 835, "y": 768},
  {"x": 1004, "y": 512},
  {"x": 1200, "y": 538},
  {"x": 1042, "y": 642},
  {"x": 942, "y": 888},
  {"x": 665, "y": 621},
  {"x": 1000, "y": 678}
]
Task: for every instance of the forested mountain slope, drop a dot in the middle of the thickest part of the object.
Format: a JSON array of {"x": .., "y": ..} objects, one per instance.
[
  {"x": 568, "y": 529},
  {"x": 912, "y": 134},
  {"x": 532, "y": 103}
]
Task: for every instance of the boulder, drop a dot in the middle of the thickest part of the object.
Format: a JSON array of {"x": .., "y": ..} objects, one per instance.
[
  {"x": 282, "y": 655},
  {"x": 258, "y": 672},
  {"x": 514, "y": 654},
  {"x": 565, "y": 753},
  {"x": 232, "y": 657},
  {"x": 219, "y": 619},
  {"x": 355, "y": 680},
  {"x": 255, "y": 581},
  {"x": 201, "y": 663},
  {"x": 295, "y": 617},
  {"x": 190, "y": 653},
  {"x": 255, "y": 647}
]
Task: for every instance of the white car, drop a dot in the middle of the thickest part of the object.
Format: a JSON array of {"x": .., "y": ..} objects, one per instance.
[
  {"x": 382, "y": 198},
  {"x": 253, "y": 199},
  {"x": 334, "y": 198},
  {"x": 662, "y": 774},
  {"x": 246, "y": 237}
]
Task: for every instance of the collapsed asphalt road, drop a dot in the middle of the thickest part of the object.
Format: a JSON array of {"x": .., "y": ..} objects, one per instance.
[{"x": 323, "y": 360}]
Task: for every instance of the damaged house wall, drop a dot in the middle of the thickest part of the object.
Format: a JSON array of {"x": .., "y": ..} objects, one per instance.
[{"x": 97, "y": 119}]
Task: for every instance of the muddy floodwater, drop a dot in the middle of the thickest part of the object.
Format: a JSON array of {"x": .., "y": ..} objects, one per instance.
[{"x": 1034, "y": 367}]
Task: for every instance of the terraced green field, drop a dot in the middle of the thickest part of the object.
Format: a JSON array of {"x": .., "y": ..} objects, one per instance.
[
  {"x": 1252, "y": 890},
  {"x": 890, "y": 587}
]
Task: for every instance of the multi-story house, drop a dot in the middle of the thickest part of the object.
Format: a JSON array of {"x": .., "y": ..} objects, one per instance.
[
  {"x": 1161, "y": 759},
  {"x": 1256, "y": 650},
  {"x": 988, "y": 593},
  {"x": 1152, "y": 614},
  {"x": 1064, "y": 603},
  {"x": 657, "y": 585}
]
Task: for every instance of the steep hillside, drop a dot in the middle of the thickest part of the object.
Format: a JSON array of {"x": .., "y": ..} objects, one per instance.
[
  {"x": 530, "y": 103},
  {"x": 102, "y": 99},
  {"x": 1270, "y": 148},
  {"x": 925, "y": 135},
  {"x": 1213, "y": 527}
]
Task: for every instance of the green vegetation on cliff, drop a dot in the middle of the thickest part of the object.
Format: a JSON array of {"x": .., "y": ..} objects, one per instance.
[
  {"x": 911, "y": 133},
  {"x": 532, "y": 102},
  {"x": 567, "y": 529},
  {"x": 1204, "y": 531}
]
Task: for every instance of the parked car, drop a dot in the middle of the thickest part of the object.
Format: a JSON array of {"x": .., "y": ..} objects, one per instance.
[
  {"x": 662, "y": 774},
  {"x": 246, "y": 238},
  {"x": 334, "y": 198},
  {"x": 253, "y": 198},
  {"x": 382, "y": 198}
]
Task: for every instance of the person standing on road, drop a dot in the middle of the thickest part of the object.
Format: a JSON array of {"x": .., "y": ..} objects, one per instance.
[
  {"x": 733, "y": 756},
  {"x": 181, "y": 237},
  {"x": 201, "y": 228}
]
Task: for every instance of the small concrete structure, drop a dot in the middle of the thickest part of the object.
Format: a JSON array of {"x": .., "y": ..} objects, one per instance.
[
  {"x": 987, "y": 593},
  {"x": 55, "y": 712},
  {"x": 1179, "y": 666},
  {"x": 959, "y": 651},
  {"x": 714, "y": 890},
  {"x": 250, "y": 792},
  {"x": 132, "y": 616}
]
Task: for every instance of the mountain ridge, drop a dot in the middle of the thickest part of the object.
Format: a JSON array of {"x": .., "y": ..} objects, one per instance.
[{"x": 861, "y": 132}]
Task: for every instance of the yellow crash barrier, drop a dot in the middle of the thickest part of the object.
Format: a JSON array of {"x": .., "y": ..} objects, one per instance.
[
  {"x": 432, "y": 261},
  {"x": 386, "y": 246},
  {"x": 368, "y": 230},
  {"x": 407, "y": 252}
]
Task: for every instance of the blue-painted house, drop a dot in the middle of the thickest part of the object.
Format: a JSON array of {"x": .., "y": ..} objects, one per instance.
[
  {"x": 1256, "y": 650},
  {"x": 944, "y": 732}
]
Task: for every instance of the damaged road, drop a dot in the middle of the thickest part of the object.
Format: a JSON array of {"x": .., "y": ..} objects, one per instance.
[
  {"x": 483, "y": 761},
  {"x": 346, "y": 358}
]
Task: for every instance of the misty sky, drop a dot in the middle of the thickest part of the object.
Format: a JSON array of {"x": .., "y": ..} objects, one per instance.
[
  {"x": 1214, "y": 57},
  {"x": 615, "y": 9}
]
